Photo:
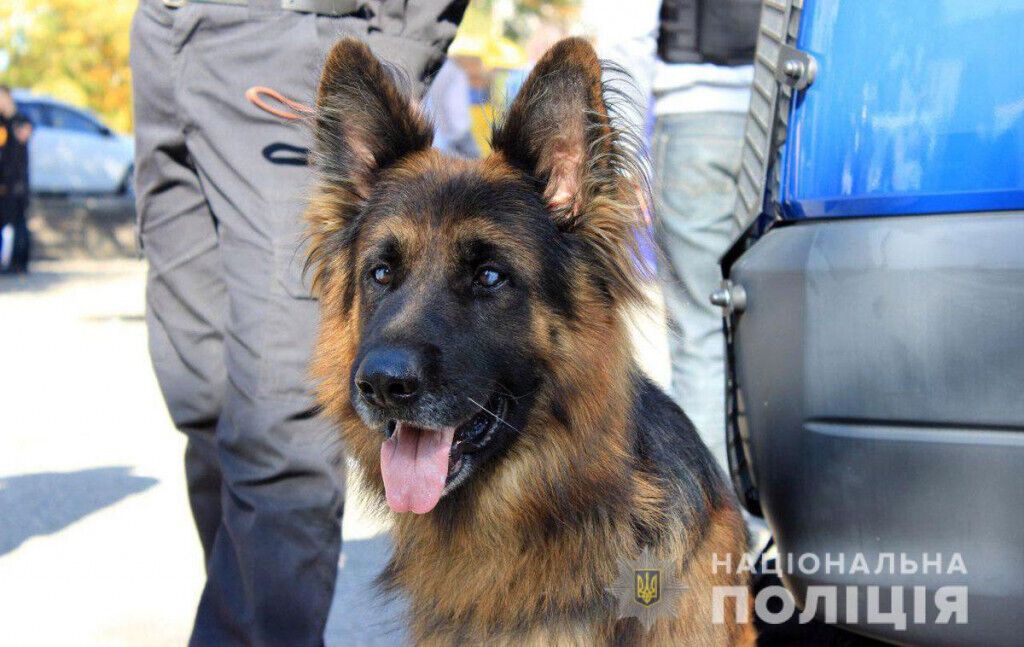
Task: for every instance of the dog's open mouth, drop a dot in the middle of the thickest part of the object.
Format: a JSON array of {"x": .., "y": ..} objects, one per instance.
[{"x": 420, "y": 464}]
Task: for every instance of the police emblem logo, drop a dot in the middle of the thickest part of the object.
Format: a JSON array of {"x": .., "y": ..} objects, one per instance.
[
  {"x": 646, "y": 588},
  {"x": 3, "y": 135}
]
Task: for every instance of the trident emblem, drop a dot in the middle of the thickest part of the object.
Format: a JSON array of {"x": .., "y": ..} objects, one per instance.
[
  {"x": 642, "y": 583},
  {"x": 648, "y": 587}
]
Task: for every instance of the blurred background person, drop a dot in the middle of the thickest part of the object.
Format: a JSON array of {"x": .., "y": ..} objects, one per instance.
[
  {"x": 447, "y": 104},
  {"x": 15, "y": 240},
  {"x": 695, "y": 58}
]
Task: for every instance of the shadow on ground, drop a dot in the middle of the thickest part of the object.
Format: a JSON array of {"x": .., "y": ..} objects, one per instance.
[
  {"x": 47, "y": 276},
  {"x": 46, "y": 502},
  {"x": 360, "y": 614},
  {"x": 122, "y": 318},
  {"x": 35, "y": 282}
]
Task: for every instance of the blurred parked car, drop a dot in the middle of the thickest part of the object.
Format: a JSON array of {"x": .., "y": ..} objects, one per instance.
[{"x": 72, "y": 152}]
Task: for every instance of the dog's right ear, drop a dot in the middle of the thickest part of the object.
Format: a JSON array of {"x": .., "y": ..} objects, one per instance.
[
  {"x": 362, "y": 125},
  {"x": 363, "y": 122}
]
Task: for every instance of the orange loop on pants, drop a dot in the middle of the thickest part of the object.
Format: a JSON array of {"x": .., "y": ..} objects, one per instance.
[{"x": 256, "y": 93}]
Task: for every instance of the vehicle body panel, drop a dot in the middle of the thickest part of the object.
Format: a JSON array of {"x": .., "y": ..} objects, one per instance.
[
  {"x": 881, "y": 360},
  {"x": 878, "y": 364},
  {"x": 71, "y": 152},
  {"x": 917, "y": 107}
]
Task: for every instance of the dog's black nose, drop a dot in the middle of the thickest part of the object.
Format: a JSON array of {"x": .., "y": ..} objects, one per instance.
[{"x": 389, "y": 377}]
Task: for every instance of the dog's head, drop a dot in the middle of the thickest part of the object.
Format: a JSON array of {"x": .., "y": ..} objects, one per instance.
[{"x": 454, "y": 293}]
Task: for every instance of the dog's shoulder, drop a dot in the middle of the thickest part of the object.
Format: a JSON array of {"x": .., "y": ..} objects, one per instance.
[{"x": 667, "y": 444}]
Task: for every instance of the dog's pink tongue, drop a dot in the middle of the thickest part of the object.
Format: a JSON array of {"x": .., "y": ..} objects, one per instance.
[{"x": 414, "y": 463}]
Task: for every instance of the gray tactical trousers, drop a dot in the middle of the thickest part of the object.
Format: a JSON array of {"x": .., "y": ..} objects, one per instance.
[{"x": 220, "y": 189}]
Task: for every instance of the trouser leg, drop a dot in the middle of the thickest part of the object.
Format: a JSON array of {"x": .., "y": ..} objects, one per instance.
[
  {"x": 273, "y": 560},
  {"x": 6, "y": 233},
  {"x": 696, "y": 161},
  {"x": 186, "y": 299},
  {"x": 22, "y": 235},
  {"x": 185, "y": 307}
]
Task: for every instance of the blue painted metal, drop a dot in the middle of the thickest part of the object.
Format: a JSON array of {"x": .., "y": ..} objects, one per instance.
[{"x": 918, "y": 107}]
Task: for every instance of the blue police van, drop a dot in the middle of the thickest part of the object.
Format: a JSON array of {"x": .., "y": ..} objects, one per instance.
[{"x": 874, "y": 311}]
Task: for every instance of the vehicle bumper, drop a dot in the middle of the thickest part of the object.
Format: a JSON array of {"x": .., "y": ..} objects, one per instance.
[{"x": 881, "y": 367}]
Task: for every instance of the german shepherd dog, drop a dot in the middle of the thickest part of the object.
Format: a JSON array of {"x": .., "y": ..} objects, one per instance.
[{"x": 475, "y": 353}]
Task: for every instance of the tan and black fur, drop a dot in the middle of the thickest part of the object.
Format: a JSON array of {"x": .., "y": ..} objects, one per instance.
[{"x": 591, "y": 462}]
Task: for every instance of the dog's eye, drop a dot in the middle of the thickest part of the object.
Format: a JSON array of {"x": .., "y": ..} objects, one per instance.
[
  {"x": 381, "y": 274},
  {"x": 489, "y": 277}
]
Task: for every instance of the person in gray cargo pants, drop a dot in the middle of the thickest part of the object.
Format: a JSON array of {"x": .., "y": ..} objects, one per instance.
[{"x": 220, "y": 188}]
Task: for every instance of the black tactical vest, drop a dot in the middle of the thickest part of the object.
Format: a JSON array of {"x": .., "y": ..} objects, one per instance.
[{"x": 723, "y": 32}]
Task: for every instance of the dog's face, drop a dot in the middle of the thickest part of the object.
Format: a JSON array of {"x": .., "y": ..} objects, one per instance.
[
  {"x": 449, "y": 287},
  {"x": 447, "y": 267}
]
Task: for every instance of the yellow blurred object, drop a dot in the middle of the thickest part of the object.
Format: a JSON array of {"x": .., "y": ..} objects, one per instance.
[
  {"x": 481, "y": 117},
  {"x": 494, "y": 52}
]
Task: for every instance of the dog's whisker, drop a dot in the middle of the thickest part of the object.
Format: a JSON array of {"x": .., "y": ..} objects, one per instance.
[
  {"x": 496, "y": 416},
  {"x": 506, "y": 391},
  {"x": 470, "y": 377}
]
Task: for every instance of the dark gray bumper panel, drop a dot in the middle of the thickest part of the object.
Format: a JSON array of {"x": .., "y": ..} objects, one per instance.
[{"x": 881, "y": 364}]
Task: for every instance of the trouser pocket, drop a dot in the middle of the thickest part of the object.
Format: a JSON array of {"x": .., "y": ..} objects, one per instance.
[{"x": 293, "y": 313}]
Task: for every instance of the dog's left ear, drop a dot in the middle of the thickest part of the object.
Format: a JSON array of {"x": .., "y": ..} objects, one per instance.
[
  {"x": 591, "y": 175},
  {"x": 557, "y": 129}
]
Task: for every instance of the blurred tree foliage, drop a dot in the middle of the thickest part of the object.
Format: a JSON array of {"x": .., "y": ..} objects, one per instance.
[
  {"x": 73, "y": 50},
  {"x": 77, "y": 50}
]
